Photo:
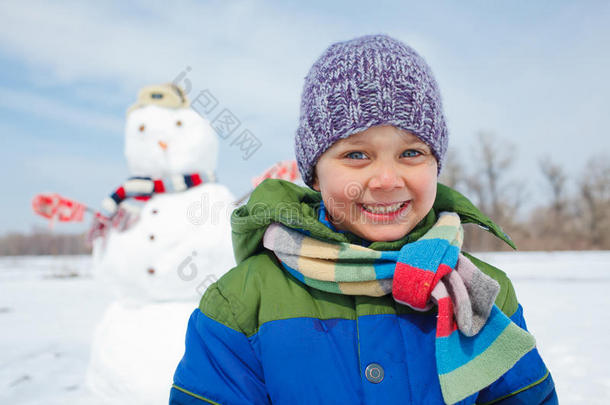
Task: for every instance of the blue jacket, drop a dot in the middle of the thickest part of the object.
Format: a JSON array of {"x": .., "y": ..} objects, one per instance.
[{"x": 260, "y": 336}]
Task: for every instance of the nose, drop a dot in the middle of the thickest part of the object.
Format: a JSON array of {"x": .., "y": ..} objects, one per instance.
[
  {"x": 163, "y": 145},
  {"x": 386, "y": 177}
]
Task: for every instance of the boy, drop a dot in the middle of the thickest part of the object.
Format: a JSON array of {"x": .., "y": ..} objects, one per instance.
[{"x": 356, "y": 291}]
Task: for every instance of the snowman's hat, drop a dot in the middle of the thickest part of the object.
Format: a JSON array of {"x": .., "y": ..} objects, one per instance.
[{"x": 166, "y": 95}]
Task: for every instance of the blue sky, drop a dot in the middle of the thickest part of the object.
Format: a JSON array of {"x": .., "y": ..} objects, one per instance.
[{"x": 533, "y": 72}]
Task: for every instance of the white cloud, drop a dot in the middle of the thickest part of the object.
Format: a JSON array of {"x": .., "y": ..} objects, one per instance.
[
  {"x": 43, "y": 107},
  {"x": 234, "y": 47}
]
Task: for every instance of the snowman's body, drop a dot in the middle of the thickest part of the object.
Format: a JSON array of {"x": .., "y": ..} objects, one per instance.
[
  {"x": 161, "y": 264},
  {"x": 135, "y": 352},
  {"x": 180, "y": 243}
]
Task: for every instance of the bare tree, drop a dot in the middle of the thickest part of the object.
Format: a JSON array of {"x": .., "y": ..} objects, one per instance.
[
  {"x": 453, "y": 174},
  {"x": 595, "y": 193},
  {"x": 553, "y": 223},
  {"x": 578, "y": 219},
  {"x": 495, "y": 193},
  {"x": 43, "y": 242},
  {"x": 556, "y": 179},
  {"x": 497, "y": 196}
]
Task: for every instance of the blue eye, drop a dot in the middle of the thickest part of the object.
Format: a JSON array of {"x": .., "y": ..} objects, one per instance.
[
  {"x": 356, "y": 155},
  {"x": 411, "y": 153}
]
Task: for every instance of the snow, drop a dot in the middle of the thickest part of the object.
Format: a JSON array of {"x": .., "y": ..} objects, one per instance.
[
  {"x": 47, "y": 322},
  {"x": 49, "y": 307},
  {"x": 565, "y": 296}
]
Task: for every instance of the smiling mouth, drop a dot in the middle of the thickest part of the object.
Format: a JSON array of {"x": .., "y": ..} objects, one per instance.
[{"x": 384, "y": 209}]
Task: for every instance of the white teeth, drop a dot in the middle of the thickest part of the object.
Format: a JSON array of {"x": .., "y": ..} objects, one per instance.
[{"x": 384, "y": 209}]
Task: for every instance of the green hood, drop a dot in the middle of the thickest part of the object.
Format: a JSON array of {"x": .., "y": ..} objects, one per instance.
[{"x": 296, "y": 207}]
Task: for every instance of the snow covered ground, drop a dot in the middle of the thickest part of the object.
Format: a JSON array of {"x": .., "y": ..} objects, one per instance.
[
  {"x": 565, "y": 296},
  {"x": 49, "y": 307}
]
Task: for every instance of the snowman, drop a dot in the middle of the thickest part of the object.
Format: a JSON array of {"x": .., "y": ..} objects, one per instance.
[{"x": 166, "y": 237}]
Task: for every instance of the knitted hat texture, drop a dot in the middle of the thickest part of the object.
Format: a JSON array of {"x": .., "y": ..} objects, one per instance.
[{"x": 364, "y": 82}]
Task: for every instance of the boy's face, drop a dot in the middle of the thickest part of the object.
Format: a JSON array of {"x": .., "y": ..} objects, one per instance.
[{"x": 377, "y": 184}]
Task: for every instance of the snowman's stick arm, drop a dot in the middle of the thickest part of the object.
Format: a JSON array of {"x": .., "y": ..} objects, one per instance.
[{"x": 91, "y": 210}]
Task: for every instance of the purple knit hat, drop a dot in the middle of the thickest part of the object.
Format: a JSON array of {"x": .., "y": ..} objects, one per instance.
[{"x": 367, "y": 81}]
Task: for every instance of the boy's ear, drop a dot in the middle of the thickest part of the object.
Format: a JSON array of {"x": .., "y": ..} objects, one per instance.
[{"x": 315, "y": 184}]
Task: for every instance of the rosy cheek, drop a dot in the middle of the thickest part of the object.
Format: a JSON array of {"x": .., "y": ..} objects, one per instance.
[
  {"x": 431, "y": 194},
  {"x": 340, "y": 190},
  {"x": 426, "y": 186}
]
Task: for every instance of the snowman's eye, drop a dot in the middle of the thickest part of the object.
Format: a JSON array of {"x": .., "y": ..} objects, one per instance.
[
  {"x": 142, "y": 128},
  {"x": 178, "y": 123}
]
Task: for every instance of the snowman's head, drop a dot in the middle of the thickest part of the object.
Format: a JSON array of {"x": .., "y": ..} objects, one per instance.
[{"x": 163, "y": 140}]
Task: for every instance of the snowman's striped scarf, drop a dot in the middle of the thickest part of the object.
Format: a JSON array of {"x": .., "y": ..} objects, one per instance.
[
  {"x": 141, "y": 189},
  {"x": 475, "y": 342}
]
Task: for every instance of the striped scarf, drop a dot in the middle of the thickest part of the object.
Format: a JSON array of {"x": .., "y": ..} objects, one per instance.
[
  {"x": 475, "y": 342},
  {"x": 141, "y": 189}
]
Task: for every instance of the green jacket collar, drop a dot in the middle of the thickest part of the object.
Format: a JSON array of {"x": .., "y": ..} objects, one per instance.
[{"x": 296, "y": 207}]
